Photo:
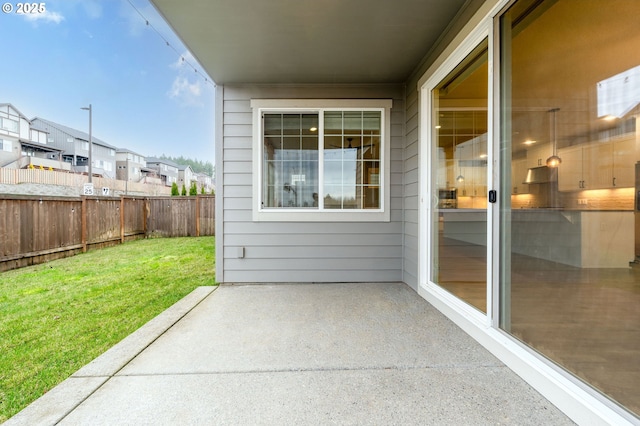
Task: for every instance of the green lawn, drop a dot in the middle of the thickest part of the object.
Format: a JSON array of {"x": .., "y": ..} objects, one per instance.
[{"x": 58, "y": 316}]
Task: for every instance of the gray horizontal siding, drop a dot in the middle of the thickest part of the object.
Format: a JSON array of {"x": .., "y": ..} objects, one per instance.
[
  {"x": 411, "y": 189},
  {"x": 337, "y": 230},
  {"x": 313, "y": 252},
  {"x": 305, "y": 252},
  {"x": 391, "y": 242},
  {"x": 317, "y": 264}
]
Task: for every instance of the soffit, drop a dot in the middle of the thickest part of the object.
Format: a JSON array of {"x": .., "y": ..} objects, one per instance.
[{"x": 309, "y": 41}]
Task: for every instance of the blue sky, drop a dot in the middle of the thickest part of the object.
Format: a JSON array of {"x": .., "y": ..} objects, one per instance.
[{"x": 144, "y": 96}]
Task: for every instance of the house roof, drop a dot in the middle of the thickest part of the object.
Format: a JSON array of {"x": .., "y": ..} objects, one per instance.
[
  {"x": 5, "y": 105},
  {"x": 310, "y": 41},
  {"x": 42, "y": 124},
  {"x": 128, "y": 151},
  {"x": 41, "y": 146},
  {"x": 155, "y": 160}
]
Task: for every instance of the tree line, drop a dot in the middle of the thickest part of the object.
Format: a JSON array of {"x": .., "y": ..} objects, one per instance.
[{"x": 198, "y": 166}]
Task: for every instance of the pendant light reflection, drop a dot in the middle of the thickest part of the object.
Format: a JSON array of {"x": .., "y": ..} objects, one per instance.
[
  {"x": 554, "y": 161},
  {"x": 460, "y": 177}
]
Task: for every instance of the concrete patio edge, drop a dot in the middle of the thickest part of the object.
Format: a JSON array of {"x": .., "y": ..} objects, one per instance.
[{"x": 62, "y": 399}]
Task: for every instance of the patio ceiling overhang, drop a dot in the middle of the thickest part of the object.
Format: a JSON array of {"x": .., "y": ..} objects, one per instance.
[{"x": 310, "y": 41}]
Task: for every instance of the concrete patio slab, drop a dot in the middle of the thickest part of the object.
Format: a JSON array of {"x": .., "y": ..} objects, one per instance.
[
  {"x": 299, "y": 327},
  {"x": 304, "y": 354},
  {"x": 438, "y": 396}
]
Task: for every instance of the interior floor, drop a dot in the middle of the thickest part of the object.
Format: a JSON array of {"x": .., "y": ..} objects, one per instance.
[{"x": 586, "y": 320}]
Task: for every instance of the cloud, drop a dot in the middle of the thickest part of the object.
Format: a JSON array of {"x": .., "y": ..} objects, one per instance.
[
  {"x": 47, "y": 16},
  {"x": 185, "y": 91},
  {"x": 187, "y": 86}
]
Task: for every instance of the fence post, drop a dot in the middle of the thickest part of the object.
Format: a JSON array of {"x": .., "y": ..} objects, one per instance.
[
  {"x": 197, "y": 215},
  {"x": 84, "y": 224},
  {"x": 122, "y": 219},
  {"x": 145, "y": 211}
]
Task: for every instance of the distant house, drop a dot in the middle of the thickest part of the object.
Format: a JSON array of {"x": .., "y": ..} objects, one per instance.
[
  {"x": 75, "y": 148},
  {"x": 185, "y": 176},
  {"x": 205, "y": 181},
  {"x": 23, "y": 146},
  {"x": 166, "y": 169},
  {"x": 129, "y": 165}
]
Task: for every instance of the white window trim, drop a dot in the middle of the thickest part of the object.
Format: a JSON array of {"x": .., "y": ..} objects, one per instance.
[{"x": 383, "y": 214}]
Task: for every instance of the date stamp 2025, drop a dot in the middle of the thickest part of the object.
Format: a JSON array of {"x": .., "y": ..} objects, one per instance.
[{"x": 24, "y": 8}]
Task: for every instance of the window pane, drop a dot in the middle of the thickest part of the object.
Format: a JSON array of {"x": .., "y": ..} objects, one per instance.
[
  {"x": 310, "y": 124},
  {"x": 333, "y": 123},
  {"x": 332, "y": 168},
  {"x": 272, "y": 124},
  {"x": 371, "y": 175},
  {"x": 332, "y": 142},
  {"x": 371, "y": 123},
  {"x": 310, "y": 144},
  {"x": 291, "y": 124},
  {"x": 353, "y": 143},
  {"x": 351, "y": 137},
  {"x": 350, "y": 169},
  {"x": 371, "y": 197},
  {"x": 569, "y": 280},
  {"x": 371, "y": 148},
  {"x": 290, "y": 161},
  {"x": 353, "y": 122},
  {"x": 290, "y": 148},
  {"x": 333, "y": 196}
]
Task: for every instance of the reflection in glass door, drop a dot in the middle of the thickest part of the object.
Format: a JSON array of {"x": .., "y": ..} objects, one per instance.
[
  {"x": 459, "y": 180},
  {"x": 570, "y": 140}
]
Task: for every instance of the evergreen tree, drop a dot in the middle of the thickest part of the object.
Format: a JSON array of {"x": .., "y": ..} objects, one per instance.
[
  {"x": 174, "y": 189},
  {"x": 193, "y": 190},
  {"x": 184, "y": 189}
]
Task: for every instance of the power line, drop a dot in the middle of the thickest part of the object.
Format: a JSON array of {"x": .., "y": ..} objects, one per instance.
[{"x": 182, "y": 58}]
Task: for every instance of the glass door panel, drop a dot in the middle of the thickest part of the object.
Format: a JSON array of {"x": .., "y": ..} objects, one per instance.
[
  {"x": 569, "y": 274},
  {"x": 459, "y": 181}
]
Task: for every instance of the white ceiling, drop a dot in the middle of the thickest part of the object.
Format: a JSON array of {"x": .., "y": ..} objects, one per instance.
[{"x": 309, "y": 41}]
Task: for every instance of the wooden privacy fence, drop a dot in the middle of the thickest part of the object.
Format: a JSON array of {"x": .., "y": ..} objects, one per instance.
[
  {"x": 74, "y": 180},
  {"x": 38, "y": 229}
]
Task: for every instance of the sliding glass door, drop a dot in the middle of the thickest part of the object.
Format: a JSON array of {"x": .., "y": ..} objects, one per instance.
[{"x": 459, "y": 180}]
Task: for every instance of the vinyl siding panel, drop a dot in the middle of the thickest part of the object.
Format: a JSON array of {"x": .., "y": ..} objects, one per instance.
[
  {"x": 309, "y": 251},
  {"x": 391, "y": 243},
  {"x": 411, "y": 189},
  {"x": 237, "y": 167},
  {"x": 340, "y": 229},
  {"x": 313, "y": 252}
]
